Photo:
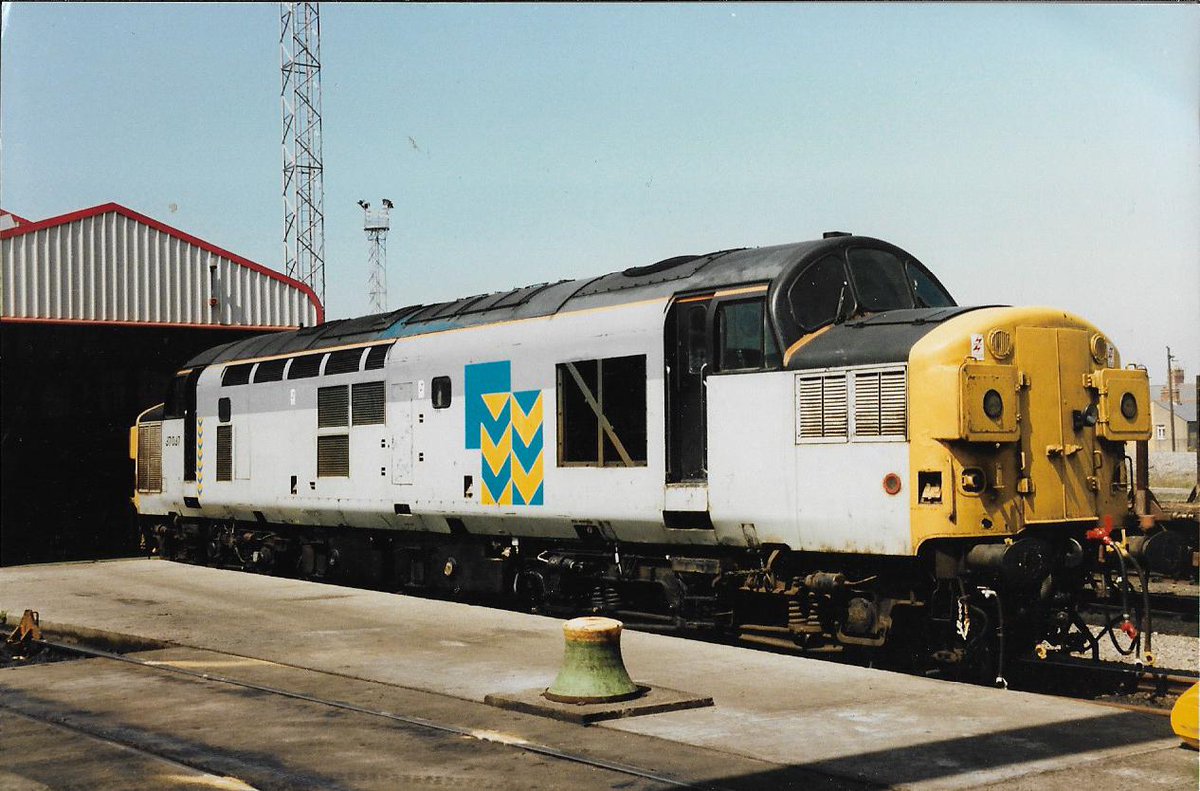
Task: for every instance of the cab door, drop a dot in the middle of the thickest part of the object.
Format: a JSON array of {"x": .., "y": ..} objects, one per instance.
[
  {"x": 189, "y": 383},
  {"x": 687, "y": 365}
]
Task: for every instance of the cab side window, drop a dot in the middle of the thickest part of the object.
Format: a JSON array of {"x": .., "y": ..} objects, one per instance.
[{"x": 743, "y": 341}]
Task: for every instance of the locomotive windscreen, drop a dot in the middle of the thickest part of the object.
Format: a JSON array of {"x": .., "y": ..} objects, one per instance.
[{"x": 883, "y": 282}]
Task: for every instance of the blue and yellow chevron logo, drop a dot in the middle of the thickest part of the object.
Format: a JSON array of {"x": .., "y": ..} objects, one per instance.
[
  {"x": 199, "y": 456},
  {"x": 507, "y": 429}
]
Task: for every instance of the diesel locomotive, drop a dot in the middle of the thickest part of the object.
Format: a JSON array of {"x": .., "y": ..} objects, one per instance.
[{"x": 808, "y": 445}]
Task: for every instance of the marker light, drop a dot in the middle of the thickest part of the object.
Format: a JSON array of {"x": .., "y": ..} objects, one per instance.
[
  {"x": 1129, "y": 406},
  {"x": 993, "y": 404},
  {"x": 1085, "y": 419}
]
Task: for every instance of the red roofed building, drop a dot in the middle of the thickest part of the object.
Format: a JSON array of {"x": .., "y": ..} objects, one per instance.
[{"x": 98, "y": 309}]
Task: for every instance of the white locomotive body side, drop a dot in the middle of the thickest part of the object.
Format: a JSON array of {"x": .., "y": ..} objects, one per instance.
[
  {"x": 757, "y": 473},
  {"x": 811, "y": 441}
]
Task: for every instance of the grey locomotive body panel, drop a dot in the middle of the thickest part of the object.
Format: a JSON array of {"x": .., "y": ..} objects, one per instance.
[{"x": 491, "y": 455}]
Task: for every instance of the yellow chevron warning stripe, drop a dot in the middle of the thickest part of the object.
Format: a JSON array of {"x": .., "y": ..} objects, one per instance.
[
  {"x": 505, "y": 497},
  {"x": 496, "y": 402},
  {"x": 496, "y": 453},
  {"x": 527, "y": 483},
  {"x": 527, "y": 425}
]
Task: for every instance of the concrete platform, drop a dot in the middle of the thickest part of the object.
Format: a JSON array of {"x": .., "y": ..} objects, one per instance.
[{"x": 778, "y": 721}]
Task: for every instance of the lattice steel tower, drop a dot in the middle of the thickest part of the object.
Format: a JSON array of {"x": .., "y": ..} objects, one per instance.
[
  {"x": 303, "y": 172},
  {"x": 376, "y": 224}
]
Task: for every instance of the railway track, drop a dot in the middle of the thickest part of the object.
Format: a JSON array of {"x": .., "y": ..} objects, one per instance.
[
  {"x": 1173, "y": 613},
  {"x": 400, "y": 720},
  {"x": 1135, "y": 687}
]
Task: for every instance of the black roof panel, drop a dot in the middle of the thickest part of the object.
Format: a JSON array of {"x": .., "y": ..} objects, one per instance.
[{"x": 682, "y": 274}]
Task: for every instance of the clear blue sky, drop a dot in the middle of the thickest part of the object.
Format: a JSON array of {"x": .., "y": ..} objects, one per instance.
[{"x": 1045, "y": 154}]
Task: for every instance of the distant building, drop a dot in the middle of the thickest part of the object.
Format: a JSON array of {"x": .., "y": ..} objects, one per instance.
[
  {"x": 10, "y": 220},
  {"x": 1185, "y": 426}
]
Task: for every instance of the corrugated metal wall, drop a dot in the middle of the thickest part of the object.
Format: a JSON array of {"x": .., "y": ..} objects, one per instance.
[{"x": 111, "y": 267}]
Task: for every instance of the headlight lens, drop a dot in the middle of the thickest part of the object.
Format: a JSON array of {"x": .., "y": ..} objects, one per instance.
[
  {"x": 993, "y": 404},
  {"x": 1129, "y": 406}
]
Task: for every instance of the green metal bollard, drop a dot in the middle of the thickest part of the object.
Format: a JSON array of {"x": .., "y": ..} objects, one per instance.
[{"x": 592, "y": 669}]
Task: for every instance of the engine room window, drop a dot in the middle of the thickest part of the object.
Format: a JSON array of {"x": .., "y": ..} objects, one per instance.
[
  {"x": 816, "y": 294},
  {"x": 236, "y": 375},
  {"x": 224, "y": 410},
  {"x": 367, "y": 404},
  {"x": 270, "y": 371},
  {"x": 305, "y": 366},
  {"x": 440, "y": 392},
  {"x": 343, "y": 362},
  {"x": 880, "y": 280},
  {"x": 745, "y": 344},
  {"x": 333, "y": 406},
  {"x": 377, "y": 356},
  {"x": 602, "y": 412},
  {"x": 333, "y": 456}
]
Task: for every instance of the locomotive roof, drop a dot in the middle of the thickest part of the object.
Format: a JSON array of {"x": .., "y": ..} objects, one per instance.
[{"x": 682, "y": 274}]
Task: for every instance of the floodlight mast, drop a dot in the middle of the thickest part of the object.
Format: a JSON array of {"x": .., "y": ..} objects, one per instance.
[
  {"x": 376, "y": 224},
  {"x": 303, "y": 168}
]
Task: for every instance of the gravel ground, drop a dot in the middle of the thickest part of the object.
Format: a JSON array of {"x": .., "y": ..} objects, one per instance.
[
  {"x": 1172, "y": 470},
  {"x": 1177, "y": 652}
]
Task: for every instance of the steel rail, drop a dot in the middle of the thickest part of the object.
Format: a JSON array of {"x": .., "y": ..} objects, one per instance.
[
  {"x": 103, "y": 739},
  {"x": 420, "y": 722},
  {"x": 1166, "y": 682}
]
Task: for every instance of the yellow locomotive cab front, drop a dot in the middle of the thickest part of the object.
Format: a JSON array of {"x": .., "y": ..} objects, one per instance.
[{"x": 1036, "y": 433}]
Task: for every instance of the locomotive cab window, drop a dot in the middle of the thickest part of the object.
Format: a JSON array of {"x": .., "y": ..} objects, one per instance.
[
  {"x": 927, "y": 291},
  {"x": 879, "y": 280},
  {"x": 744, "y": 341},
  {"x": 602, "y": 412},
  {"x": 175, "y": 404},
  {"x": 883, "y": 282},
  {"x": 862, "y": 280},
  {"x": 819, "y": 292}
]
